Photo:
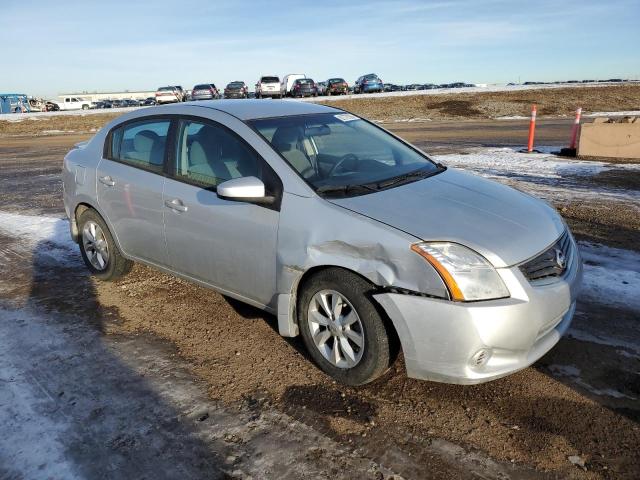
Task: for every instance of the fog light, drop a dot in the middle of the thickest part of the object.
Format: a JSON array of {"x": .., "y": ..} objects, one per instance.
[{"x": 480, "y": 358}]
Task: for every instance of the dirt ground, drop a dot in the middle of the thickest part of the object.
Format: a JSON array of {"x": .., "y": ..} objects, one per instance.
[
  {"x": 560, "y": 101},
  {"x": 528, "y": 425}
]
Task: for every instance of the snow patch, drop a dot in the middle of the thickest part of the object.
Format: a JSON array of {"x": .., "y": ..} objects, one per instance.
[
  {"x": 512, "y": 117},
  {"x": 41, "y": 452},
  {"x": 611, "y": 275},
  {"x": 49, "y": 233},
  {"x": 543, "y": 174},
  {"x": 627, "y": 113},
  {"x": 506, "y": 161}
]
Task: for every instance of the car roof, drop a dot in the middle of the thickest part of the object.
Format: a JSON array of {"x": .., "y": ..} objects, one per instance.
[{"x": 253, "y": 109}]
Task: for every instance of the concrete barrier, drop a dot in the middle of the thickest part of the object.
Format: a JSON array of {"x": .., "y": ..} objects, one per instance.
[{"x": 606, "y": 138}]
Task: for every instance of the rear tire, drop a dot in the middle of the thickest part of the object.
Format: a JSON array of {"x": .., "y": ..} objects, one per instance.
[
  {"x": 99, "y": 251},
  {"x": 358, "y": 331}
]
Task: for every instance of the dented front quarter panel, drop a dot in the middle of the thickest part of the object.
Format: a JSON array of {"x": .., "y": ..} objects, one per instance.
[{"x": 314, "y": 232}]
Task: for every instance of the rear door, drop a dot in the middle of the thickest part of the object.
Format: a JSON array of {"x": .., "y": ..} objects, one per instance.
[
  {"x": 228, "y": 244},
  {"x": 130, "y": 183}
]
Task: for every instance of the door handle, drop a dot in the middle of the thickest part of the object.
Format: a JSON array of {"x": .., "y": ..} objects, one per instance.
[
  {"x": 107, "y": 180},
  {"x": 176, "y": 204}
]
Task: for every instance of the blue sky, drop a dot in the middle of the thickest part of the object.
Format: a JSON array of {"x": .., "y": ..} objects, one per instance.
[{"x": 49, "y": 47}]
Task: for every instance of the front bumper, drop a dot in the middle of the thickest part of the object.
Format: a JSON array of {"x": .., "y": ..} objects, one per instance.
[{"x": 444, "y": 341}]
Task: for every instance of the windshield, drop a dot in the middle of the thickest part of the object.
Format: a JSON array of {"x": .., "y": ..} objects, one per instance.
[{"x": 341, "y": 154}]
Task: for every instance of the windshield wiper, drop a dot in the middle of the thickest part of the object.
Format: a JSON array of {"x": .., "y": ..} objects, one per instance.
[
  {"x": 345, "y": 189},
  {"x": 409, "y": 177}
]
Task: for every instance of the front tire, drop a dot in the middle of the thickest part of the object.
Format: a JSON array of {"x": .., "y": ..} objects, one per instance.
[
  {"x": 342, "y": 328},
  {"x": 99, "y": 251}
]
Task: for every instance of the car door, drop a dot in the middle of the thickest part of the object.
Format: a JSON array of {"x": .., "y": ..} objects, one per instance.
[
  {"x": 130, "y": 183},
  {"x": 228, "y": 244}
]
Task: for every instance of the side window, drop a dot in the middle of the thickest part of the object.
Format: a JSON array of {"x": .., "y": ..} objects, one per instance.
[
  {"x": 141, "y": 144},
  {"x": 209, "y": 155}
]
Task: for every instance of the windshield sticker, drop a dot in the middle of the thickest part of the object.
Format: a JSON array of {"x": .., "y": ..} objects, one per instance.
[{"x": 346, "y": 117}]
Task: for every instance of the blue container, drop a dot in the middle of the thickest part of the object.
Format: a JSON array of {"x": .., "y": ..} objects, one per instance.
[{"x": 14, "y": 103}]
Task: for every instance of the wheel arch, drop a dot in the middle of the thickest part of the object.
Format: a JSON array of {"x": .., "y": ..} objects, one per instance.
[
  {"x": 82, "y": 206},
  {"x": 394, "y": 338},
  {"x": 288, "y": 303}
]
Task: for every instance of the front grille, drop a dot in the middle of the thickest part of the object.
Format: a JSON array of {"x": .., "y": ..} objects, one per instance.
[{"x": 553, "y": 262}]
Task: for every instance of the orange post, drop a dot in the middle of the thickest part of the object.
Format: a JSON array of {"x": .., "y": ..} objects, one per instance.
[
  {"x": 576, "y": 127},
  {"x": 532, "y": 128}
]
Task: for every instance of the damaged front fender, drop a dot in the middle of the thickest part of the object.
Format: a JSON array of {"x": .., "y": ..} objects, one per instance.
[{"x": 315, "y": 233}]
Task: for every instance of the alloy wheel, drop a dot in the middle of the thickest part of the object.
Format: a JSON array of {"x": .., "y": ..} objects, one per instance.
[
  {"x": 336, "y": 329},
  {"x": 95, "y": 245}
]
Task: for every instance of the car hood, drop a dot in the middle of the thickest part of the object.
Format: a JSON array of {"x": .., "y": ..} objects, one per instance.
[{"x": 502, "y": 224}]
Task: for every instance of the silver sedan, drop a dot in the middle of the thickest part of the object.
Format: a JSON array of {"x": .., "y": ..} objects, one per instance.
[{"x": 352, "y": 237}]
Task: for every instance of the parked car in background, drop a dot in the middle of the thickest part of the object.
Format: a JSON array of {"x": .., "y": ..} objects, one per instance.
[
  {"x": 102, "y": 104},
  {"x": 337, "y": 86},
  {"x": 322, "y": 88},
  {"x": 236, "y": 89},
  {"x": 205, "y": 91},
  {"x": 304, "y": 87},
  {"x": 52, "y": 106},
  {"x": 168, "y": 94},
  {"x": 268, "y": 86},
  {"x": 352, "y": 238},
  {"x": 74, "y": 103},
  {"x": 287, "y": 83},
  {"x": 149, "y": 101},
  {"x": 369, "y": 83}
]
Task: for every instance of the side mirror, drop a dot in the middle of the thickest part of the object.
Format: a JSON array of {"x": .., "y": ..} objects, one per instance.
[{"x": 244, "y": 189}]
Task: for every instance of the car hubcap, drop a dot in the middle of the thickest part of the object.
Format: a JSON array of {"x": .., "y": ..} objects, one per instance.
[
  {"x": 336, "y": 329},
  {"x": 95, "y": 245}
]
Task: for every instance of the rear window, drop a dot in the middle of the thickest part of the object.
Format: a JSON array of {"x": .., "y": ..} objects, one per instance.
[
  {"x": 202, "y": 87},
  {"x": 304, "y": 80},
  {"x": 336, "y": 80},
  {"x": 371, "y": 77},
  {"x": 235, "y": 84},
  {"x": 270, "y": 80},
  {"x": 166, "y": 89}
]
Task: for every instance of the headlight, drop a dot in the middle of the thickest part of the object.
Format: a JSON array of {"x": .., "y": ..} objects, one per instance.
[{"x": 467, "y": 275}]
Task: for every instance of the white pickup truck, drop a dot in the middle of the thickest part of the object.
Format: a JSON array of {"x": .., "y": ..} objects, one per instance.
[{"x": 74, "y": 103}]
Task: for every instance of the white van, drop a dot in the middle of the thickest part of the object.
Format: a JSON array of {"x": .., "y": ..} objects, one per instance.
[{"x": 287, "y": 83}]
